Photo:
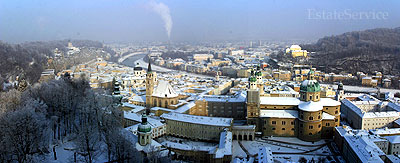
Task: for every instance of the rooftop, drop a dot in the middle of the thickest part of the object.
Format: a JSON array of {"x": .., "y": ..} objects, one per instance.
[
  {"x": 279, "y": 113},
  {"x": 204, "y": 120}
]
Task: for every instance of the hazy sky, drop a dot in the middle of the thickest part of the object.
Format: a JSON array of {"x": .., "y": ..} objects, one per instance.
[{"x": 192, "y": 20}]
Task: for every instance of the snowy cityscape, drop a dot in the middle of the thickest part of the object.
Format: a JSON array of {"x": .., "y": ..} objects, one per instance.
[{"x": 158, "y": 81}]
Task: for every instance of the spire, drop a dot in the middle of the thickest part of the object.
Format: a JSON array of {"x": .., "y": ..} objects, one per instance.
[{"x": 149, "y": 66}]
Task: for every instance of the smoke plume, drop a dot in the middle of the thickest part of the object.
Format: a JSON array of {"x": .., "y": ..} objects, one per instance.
[{"x": 163, "y": 10}]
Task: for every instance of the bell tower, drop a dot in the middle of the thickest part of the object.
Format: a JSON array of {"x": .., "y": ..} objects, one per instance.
[
  {"x": 339, "y": 92},
  {"x": 150, "y": 82},
  {"x": 253, "y": 101}
]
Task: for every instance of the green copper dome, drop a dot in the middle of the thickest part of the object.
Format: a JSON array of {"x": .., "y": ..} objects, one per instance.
[
  {"x": 144, "y": 126},
  {"x": 252, "y": 79},
  {"x": 258, "y": 73},
  {"x": 310, "y": 86}
]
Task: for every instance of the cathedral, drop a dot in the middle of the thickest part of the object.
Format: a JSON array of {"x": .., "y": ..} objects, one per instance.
[
  {"x": 159, "y": 93},
  {"x": 310, "y": 117}
]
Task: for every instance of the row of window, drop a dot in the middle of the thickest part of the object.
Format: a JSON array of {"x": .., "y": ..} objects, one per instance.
[
  {"x": 283, "y": 122},
  {"x": 283, "y": 129}
]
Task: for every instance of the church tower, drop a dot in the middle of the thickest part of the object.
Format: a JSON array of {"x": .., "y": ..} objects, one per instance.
[
  {"x": 339, "y": 92},
  {"x": 260, "y": 83},
  {"x": 144, "y": 132},
  {"x": 253, "y": 101},
  {"x": 150, "y": 82}
]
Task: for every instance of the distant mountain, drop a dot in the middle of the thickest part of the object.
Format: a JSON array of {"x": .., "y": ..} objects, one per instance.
[{"x": 366, "y": 51}]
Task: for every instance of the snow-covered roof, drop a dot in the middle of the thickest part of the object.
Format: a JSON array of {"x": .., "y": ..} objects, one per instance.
[
  {"x": 279, "y": 113},
  {"x": 279, "y": 101},
  {"x": 354, "y": 108},
  {"x": 329, "y": 102},
  {"x": 132, "y": 116},
  {"x": 135, "y": 108},
  {"x": 204, "y": 120},
  {"x": 295, "y": 47},
  {"x": 186, "y": 147},
  {"x": 265, "y": 155},
  {"x": 311, "y": 106},
  {"x": 327, "y": 116},
  {"x": 164, "y": 89},
  {"x": 138, "y": 98},
  {"x": 238, "y": 97},
  {"x": 244, "y": 127},
  {"x": 395, "y": 139},
  {"x": 366, "y": 150},
  {"x": 224, "y": 146},
  {"x": 185, "y": 107}
]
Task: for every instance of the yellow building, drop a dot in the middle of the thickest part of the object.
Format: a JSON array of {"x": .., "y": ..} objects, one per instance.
[
  {"x": 161, "y": 96},
  {"x": 309, "y": 117},
  {"x": 196, "y": 127},
  {"x": 295, "y": 51}
]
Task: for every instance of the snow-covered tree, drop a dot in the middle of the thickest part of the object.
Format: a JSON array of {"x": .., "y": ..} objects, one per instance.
[{"x": 24, "y": 133}]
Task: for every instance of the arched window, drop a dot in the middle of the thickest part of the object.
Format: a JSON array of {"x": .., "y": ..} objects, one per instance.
[
  {"x": 166, "y": 103},
  {"x": 155, "y": 102}
]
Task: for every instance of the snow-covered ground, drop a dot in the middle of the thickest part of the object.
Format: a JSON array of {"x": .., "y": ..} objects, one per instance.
[
  {"x": 295, "y": 140},
  {"x": 293, "y": 145},
  {"x": 283, "y": 158},
  {"x": 185, "y": 141},
  {"x": 65, "y": 154}
]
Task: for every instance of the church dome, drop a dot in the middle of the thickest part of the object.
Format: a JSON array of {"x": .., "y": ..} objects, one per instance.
[
  {"x": 252, "y": 79},
  {"x": 144, "y": 126},
  {"x": 258, "y": 73},
  {"x": 310, "y": 86}
]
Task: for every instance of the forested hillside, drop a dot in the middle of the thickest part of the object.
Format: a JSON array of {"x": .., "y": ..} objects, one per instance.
[
  {"x": 366, "y": 51},
  {"x": 30, "y": 58}
]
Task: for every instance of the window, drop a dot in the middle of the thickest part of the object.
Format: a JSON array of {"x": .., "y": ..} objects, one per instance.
[
  {"x": 301, "y": 125},
  {"x": 310, "y": 118},
  {"x": 327, "y": 124},
  {"x": 336, "y": 112},
  {"x": 310, "y": 127},
  {"x": 319, "y": 126},
  {"x": 283, "y": 122},
  {"x": 301, "y": 116},
  {"x": 310, "y": 133},
  {"x": 283, "y": 129},
  {"x": 316, "y": 97},
  {"x": 310, "y": 97},
  {"x": 292, "y": 129},
  {"x": 336, "y": 120},
  {"x": 273, "y": 122},
  {"x": 292, "y": 123},
  {"x": 326, "y": 108},
  {"x": 273, "y": 128}
]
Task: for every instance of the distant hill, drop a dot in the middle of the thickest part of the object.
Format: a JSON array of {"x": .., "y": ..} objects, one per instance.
[
  {"x": 366, "y": 51},
  {"x": 30, "y": 58}
]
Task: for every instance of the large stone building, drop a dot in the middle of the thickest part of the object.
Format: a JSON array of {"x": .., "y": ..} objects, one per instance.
[
  {"x": 229, "y": 106},
  {"x": 295, "y": 51},
  {"x": 366, "y": 112},
  {"x": 309, "y": 117},
  {"x": 196, "y": 127}
]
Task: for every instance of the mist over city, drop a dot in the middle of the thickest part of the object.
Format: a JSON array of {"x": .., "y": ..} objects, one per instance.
[{"x": 199, "y": 81}]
